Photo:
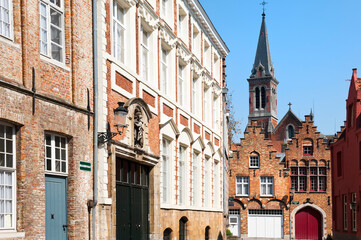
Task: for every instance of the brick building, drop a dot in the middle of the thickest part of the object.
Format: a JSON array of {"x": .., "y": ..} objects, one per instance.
[
  {"x": 45, "y": 119},
  {"x": 280, "y": 177},
  {"x": 346, "y": 167},
  {"x": 163, "y": 177}
]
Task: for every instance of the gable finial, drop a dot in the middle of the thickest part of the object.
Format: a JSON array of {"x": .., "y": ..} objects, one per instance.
[
  {"x": 263, "y": 4},
  {"x": 289, "y": 105}
]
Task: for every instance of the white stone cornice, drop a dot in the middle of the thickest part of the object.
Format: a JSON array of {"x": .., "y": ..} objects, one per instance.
[
  {"x": 183, "y": 54},
  {"x": 149, "y": 16},
  {"x": 167, "y": 36},
  {"x": 128, "y": 3}
]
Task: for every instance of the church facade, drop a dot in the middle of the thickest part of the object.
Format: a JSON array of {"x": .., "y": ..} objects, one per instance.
[{"x": 280, "y": 173}]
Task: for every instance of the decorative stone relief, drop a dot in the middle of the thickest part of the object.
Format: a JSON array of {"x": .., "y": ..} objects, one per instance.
[
  {"x": 167, "y": 38},
  {"x": 216, "y": 89},
  {"x": 207, "y": 80},
  {"x": 197, "y": 68},
  {"x": 182, "y": 54},
  {"x": 150, "y": 19}
]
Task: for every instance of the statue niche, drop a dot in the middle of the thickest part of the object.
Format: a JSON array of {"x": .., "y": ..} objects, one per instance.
[{"x": 138, "y": 128}]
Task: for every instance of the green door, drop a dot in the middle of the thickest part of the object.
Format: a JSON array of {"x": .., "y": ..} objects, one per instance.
[
  {"x": 132, "y": 200},
  {"x": 55, "y": 208}
]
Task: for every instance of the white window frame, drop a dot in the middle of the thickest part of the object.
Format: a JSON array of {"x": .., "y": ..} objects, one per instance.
[
  {"x": 267, "y": 182},
  {"x": 13, "y": 184},
  {"x": 207, "y": 181},
  {"x": 196, "y": 177},
  {"x": 53, "y": 155},
  {"x": 163, "y": 8},
  {"x": 181, "y": 84},
  {"x": 10, "y": 20},
  {"x": 60, "y": 9},
  {"x": 205, "y": 105},
  {"x": 119, "y": 49},
  {"x": 216, "y": 184},
  {"x": 243, "y": 183},
  {"x": 252, "y": 159},
  {"x": 354, "y": 211},
  {"x": 166, "y": 157},
  {"x": 145, "y": 54},
  {"x": 194, "y": 95},
  {"x": 182, "y": 175},
  {"x": 164, "y": 62}
]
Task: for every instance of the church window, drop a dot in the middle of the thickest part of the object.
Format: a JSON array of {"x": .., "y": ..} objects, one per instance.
[
  {"x": 263, "y": 97},
  {"x": 290, "y": 132},
  {"x": 257, "y": 98}
]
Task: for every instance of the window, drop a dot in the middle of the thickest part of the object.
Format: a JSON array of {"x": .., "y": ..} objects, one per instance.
[
  {"x": 205, "y": 105},
  {"x": 180, "y": 23},
  {"x": 354, "y": 212},
  {"x": 216, "y": 184},
  {"x": 196, "y": 44},
  {"x": 164, "y": 70},
  {"x": 206, "y": 233},
  {"x": 263, "y": 97},
  {"x": 254, "y": 160},
  {"x": 167, "y": 234},
  {"x": 207, "y": 182},
  {"x": 242, "y": 188},
  {"x": 5, "y": 18},
  {"x": 318, "y": 178},
  {"x": 196, "y": 177},
  {"x": 339, "y": 164},
  {"x": 119, "y": 31},
  {"x": 182, "y": 174},
  {"x": 163, "y": 11},
  {"x": 7, "y": 177},
  {"x": 51, "y": 17},
  {"x": 216, "y": 67},
  {"x": 145, "y": 54},
  {"x": 290, "y": 132},
  {"x": 181, "y": 83},
  {"x": 207, "y": 55},
  {"x": 350, "y": 116},
  {"x": 298, "y": 179},
  {"x": 266, "y": 186},
  {"x": 307, "y": 147},
  {"x": 345, "y": 212},
  {"x": 257, "y": 97},
  {"x": 166, "y": 153},
  {"x": 195, "y": 95},
  {"x": 183, "y": 228},
  {"x": 56, "y": 154}
]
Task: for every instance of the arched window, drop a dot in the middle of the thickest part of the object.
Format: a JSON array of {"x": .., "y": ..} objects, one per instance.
[
  {"x": 206, "y": 233},
  {"x": 167, "y": 234},
  {"x": 290, "y": 132},
  {"x": 263, "y": 97},
  {"x": 257, "y": 98},
  {"x": 183, "y": 228}
]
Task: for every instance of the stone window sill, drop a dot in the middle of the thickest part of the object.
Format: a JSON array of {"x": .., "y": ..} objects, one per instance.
[{"x": 4, "y": 235}]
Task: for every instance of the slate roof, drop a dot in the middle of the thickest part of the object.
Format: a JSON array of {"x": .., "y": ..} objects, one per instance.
[{"x": 263, "y": 54}]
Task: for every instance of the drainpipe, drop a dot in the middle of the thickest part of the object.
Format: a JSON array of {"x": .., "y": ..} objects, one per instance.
[
  {"x": 225, "y": 136},
  {"x": 95, "y": 133}
]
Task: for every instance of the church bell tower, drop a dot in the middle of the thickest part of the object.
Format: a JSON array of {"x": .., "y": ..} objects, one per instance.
[{"x": 263, "y": 85}]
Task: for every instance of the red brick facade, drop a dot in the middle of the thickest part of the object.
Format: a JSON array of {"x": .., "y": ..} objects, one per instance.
[
  {"x": 58, "y": 106},
  {"x": 346, "y": 165}
]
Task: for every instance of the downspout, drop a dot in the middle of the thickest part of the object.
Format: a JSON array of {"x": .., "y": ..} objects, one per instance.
[
  {"x": 95, "y": 133},
  {"x": 225, "y": 170}
]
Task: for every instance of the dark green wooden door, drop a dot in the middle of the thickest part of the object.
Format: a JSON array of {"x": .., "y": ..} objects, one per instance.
[{"x": 132, "y": 200}]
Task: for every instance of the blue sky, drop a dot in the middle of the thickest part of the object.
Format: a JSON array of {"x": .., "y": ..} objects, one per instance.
[{"x": 314, "y": 46}]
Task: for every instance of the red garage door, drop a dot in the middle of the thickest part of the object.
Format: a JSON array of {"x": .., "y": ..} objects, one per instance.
[{"x": 308, "y": 224}]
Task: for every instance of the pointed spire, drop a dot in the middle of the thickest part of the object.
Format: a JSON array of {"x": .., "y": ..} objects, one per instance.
[
  {"x": 263, "y": 62},
  {"x": 311, "y": 115}
]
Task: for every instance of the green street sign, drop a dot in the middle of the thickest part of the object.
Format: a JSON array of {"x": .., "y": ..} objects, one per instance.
[
  {"x": 295, "y": 202},
  {"x": 85, "y": 166}
]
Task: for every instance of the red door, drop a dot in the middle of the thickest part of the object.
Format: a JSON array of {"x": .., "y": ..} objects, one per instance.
[{"x": 308, "y": 224}]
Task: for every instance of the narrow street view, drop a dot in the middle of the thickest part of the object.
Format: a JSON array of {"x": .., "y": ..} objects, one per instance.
[{"x": 170, "y": 120}]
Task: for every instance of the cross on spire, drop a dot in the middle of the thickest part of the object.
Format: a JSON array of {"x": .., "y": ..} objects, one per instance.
[
  {"x": 289, "y": 105},
  {"x": 263, "y": 4}
]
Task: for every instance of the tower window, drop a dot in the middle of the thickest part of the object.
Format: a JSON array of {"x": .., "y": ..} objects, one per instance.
[
  {"x": 257, "y": 98},
  {"x": 263, "y": 96},
  {"x": 290, "y": 132}
]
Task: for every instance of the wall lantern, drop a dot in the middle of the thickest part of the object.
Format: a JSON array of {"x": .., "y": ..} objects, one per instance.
[{"x": 120, "y": 117}]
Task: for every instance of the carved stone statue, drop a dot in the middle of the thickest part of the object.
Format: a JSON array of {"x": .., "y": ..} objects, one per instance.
[{"x": 138, "y": 128}]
